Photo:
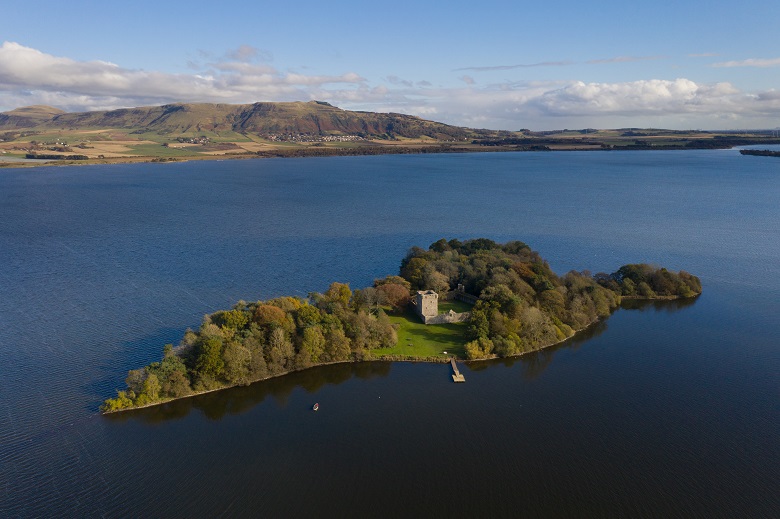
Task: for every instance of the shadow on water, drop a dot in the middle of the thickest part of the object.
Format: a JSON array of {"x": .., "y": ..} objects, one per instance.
[
  {"x": 240, "y": 399},
  {"x": 536, "y": 362},
  {"x": 659, "y": 305}
]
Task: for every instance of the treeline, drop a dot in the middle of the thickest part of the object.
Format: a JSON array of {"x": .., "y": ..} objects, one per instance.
[
  {"x": 760, "y": 153},
  {"x": 253, "y": 341},
  {"x": 523, "y": 305},
  {"x": 53, "y": 156},
  {"x": 336, "y": 151},
  {"x": 647, "y": 282}
]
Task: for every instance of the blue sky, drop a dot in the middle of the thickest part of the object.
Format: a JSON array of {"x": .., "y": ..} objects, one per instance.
[{"x": 504, "y": 65}]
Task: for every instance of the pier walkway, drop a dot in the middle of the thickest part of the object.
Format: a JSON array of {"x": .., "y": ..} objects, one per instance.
[{"x": 457, "y": 376}]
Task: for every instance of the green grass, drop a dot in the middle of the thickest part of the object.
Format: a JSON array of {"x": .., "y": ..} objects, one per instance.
[
  {"x": 416, "y": 339},
  {"x": 456, "y": 306}
]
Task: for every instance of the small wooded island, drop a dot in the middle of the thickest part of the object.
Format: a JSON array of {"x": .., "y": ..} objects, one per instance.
[
  {"x": 508, "y": 299},
  {"x": 760, "y": 153}
]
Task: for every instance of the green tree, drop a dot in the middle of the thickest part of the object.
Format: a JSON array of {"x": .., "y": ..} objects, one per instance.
[
  {"x": 339, "y": 293},
  {"x": 122, "y": 401},
  {"x": 177, "y": 385},
  {"x": 280, "y": 351},
  {"x": 209, "y": 361},
  {"x": 414, "y": 272},
  {"x": 150, "y": 392},
  {"x": 479, "y": 349},
  {"x": 313, "y": 343},
  {"x": 233, "y": 319},
  {"x": 237, "y": 361},
  {"x": 308, "y": 315},
  {"x": 337, "y": 346},
  {"x": 393, "y": 280}
]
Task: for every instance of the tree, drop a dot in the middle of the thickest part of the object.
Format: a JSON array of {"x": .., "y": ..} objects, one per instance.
[
  {"x": 396, "y": 295},
  {"x": 234, "y": 319},
  {"x": 266, "y": 315},
  {"x": 308, "y": 315},
  {"x": 338, "y": 294},
  {"x": 135, "y": 380},
  {"x": 280, "y": 350},
  {"x": 434, "y": 280},
  {"x": 644, "y": 290},
  {"x": 413, "y": 272},
  {"x": 479, "y": 323},
  {"x": 313, "y": 343},
  {"x": 479, "y": 349},
  {"x": 440, "y": 246},
  {"x": 337, "y": 346},
  {"x": 150, "y": 392},
  {"x": 393, "y": 280},
  {"x": 122, "y": 401},
  {"x": 177, "y": 385},
  {"x": 367, "y": 299},
  {"x": 209, "y": 361},
  {"x": 237, "y": 363}
]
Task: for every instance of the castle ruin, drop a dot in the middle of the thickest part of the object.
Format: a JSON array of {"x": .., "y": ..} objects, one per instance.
[{"x": 427, "y": 307}]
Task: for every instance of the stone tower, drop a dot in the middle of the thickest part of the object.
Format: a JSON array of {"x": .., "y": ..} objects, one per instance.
[{"x": 427, "y": 304}]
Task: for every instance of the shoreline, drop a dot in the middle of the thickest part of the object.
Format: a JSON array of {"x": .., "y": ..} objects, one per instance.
[
  {"x": 312, "y": 152},
  {"x": 401, "y": 358}
]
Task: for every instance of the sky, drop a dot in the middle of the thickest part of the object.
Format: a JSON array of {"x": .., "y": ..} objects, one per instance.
[{"x": 482, "y": 64}]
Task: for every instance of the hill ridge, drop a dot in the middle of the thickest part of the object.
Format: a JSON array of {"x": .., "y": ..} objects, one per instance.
[{"x": 260, "y": 118}]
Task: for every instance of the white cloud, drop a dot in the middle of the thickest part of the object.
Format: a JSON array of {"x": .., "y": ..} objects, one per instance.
[
  {"x": 247, "y": 53},
  {"x": 679, "y": 103},
  {"x": 24, "y": 70},
  {"x": 490, "y": 68},
  {"x": 28, "y": 76},
  {"x": 395, "y": 80},
  {"x": 623, "y": 59},
  {"x": 752, "y": 62}
]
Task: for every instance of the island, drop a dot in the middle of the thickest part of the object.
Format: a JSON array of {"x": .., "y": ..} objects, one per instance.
[
  {"x": 477, "y": 299},
  {"x": 760, "y": 153}
]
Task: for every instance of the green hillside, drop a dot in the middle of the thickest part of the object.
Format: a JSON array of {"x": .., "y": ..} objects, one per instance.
[{"x": 274, "y": 120}]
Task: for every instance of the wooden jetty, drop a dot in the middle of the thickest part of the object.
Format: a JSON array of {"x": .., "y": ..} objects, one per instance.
[{"x": 457, "y": 376}]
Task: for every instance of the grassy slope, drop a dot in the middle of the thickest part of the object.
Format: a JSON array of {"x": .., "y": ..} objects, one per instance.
[{"x": 416, "y": 339}]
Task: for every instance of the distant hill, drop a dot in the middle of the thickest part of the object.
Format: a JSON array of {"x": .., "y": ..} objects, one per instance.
[
  {"x": 264, "y": 119},
  {"x": 28, "y": 117}
]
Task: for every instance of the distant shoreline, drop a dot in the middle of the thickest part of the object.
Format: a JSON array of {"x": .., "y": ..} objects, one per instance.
[{"x": 313, "y": 152}]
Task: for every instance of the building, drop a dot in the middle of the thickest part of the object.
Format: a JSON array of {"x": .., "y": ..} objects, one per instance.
[{"x": 427, "y": 304}]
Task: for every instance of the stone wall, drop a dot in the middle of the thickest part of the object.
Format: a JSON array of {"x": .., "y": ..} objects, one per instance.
[{"x": 448, "y": 317}]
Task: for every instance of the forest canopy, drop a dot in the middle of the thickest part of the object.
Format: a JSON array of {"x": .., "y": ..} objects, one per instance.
[{"x": 521, "y": 305}]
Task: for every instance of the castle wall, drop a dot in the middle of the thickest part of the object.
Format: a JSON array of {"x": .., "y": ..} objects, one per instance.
[{"x": 448, "y": 317}]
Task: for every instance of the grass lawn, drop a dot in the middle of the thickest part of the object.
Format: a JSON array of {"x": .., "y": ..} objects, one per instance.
[{"x": 416, "y": 339}]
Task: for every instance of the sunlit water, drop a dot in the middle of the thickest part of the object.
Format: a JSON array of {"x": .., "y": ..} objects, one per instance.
[{"x": 664, "y": 410}]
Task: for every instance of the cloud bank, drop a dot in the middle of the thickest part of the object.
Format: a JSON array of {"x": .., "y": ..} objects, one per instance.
[
  {"x": 29, "y": 76},
  {"x": 752, "y": 62}
]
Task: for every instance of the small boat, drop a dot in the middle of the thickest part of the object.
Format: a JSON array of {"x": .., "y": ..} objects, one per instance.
[{"x": 316, "y": 407}]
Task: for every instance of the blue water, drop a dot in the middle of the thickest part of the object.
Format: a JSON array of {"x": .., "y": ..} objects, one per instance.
[{"x": 668, "y": 410}]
